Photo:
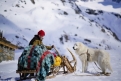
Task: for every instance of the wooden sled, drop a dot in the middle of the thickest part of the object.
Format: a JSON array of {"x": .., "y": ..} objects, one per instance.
[
  {"x": 23, "y": 74},
  {"x": 65, "y": 65}
]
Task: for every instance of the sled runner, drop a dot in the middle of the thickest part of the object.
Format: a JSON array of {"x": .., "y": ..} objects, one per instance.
[
  {"x": 65, "y": 67},
  {"x": 92, "y": 74}
]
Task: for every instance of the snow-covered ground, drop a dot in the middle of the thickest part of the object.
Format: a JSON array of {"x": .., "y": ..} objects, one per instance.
[
  {"x": 8, "y": 71},
  {"x": 20, "y": 20}
]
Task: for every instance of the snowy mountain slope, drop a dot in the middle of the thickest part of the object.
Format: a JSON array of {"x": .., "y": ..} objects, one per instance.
[
  {"x": 105, "y": 19},
  {"x": 105, "y": 5},
  {"x": 65, "y": 23},
  {"x": 56, "y": 18},
  {"x": 34, "y": 17}
]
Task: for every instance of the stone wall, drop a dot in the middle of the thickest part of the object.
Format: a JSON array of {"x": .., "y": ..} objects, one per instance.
[{"x": 6, "y": 53}]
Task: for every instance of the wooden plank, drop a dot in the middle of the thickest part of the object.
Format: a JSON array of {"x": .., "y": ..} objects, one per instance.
[
  {"x": 26, "y": 71},
  {"x": 8, "y": 45},
  {"x": 68, "y": 65}
]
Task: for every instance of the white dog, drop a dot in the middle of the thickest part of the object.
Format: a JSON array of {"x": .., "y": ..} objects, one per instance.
[{"x": 87, "y": 54}]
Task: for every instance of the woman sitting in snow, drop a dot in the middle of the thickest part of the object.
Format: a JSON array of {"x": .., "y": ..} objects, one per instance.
[
  {"x": 37, "y": 40},
  {"x": 37, "y": 57}
]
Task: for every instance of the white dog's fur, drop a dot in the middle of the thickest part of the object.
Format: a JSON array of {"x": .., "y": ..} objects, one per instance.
[{"x": 95, "y": 55}]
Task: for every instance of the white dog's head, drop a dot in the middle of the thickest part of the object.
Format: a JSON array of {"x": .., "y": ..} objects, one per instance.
[{"x": 77, "y": 46}]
